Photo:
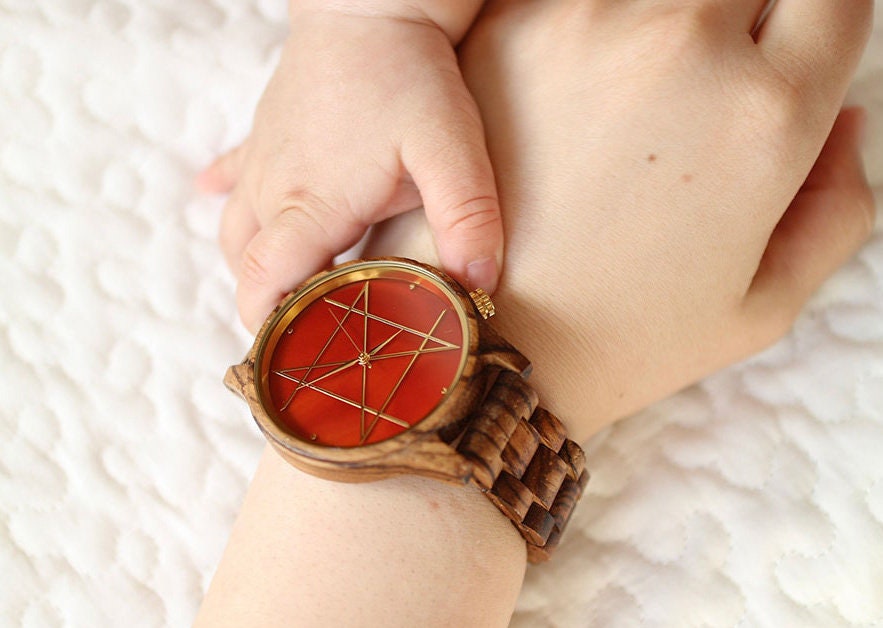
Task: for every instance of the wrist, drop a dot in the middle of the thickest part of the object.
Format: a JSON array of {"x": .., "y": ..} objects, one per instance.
[
  {"x": 453, "y": 18},
  {"x": 344, "y": 544}
]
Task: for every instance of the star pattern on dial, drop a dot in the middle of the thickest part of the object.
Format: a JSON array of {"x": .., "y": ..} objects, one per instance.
[{"x": 318, "y": 375}]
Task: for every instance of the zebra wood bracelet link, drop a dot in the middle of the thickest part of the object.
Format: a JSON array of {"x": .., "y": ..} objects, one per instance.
[{"x": 525, "y": 463}]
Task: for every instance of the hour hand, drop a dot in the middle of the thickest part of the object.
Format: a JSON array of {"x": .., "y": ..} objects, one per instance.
[{"x": 335, "y": 371}]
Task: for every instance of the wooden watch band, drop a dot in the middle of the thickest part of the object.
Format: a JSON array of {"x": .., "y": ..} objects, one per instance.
[{"x": 524, "y": 463}]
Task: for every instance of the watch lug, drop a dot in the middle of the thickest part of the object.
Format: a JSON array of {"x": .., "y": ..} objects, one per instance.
[
  {"x": 429, "y": 457},
  {"x": 433, "y": 458},
  {"x": 237, "y": 376},
  {"x": 496, "y": 351}
]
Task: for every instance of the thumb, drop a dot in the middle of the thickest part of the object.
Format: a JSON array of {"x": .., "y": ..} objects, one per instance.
[
  {"x": 452, "y": 170},
  {"x": 829, "y": 219},
  {"x": 300, "y": 240}
]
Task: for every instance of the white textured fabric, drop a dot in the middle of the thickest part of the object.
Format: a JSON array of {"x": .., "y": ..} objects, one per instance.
[{"x": 753, "y": 499}]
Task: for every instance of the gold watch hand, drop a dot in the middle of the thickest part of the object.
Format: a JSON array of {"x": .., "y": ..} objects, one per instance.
[
  {"x": 304, "y": 383},
  {"x": 385, "y": 342},
  {"x": 340, "y": 368}
]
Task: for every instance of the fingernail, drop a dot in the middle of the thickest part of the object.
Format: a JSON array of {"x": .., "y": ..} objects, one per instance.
[{"x": 482, "y": 274}]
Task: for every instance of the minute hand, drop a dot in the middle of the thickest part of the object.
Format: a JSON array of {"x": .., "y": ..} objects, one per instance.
[
  {"x": 384, "y": 343},
  {"x": 354, "y": 361}
]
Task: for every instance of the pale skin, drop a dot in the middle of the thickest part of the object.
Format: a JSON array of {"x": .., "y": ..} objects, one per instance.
[
  {"x": 372, "y": 87},
  {"x": 673, "y": 192}
]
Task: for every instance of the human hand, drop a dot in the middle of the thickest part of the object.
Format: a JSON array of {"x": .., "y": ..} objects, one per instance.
[
  {"x": 366, "y": 116},
  {"x": 664, "y": 216}
]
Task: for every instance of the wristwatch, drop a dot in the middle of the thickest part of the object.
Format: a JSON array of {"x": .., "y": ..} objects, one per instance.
[{"x": 388, "y": 366}]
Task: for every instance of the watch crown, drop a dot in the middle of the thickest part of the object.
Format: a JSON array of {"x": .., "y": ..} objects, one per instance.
[{"x": 483, "y": 303}]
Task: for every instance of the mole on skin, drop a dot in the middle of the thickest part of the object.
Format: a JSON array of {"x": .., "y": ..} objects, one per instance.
[{"x": 686, "y": 177}]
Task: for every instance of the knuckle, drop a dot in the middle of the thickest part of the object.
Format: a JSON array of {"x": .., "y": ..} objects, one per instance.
[
  {"x": 333, "y": 222},
  {"x": 775, "y": 115},
  {"x": 253, "y": 270},
  {"x": 686, "y": 30},
  {"x": 783, "y": 96},
  {"x": 475, "y": 214},
  {"x": 467, "y": 116},
  {"x": 581, "y": 15}
]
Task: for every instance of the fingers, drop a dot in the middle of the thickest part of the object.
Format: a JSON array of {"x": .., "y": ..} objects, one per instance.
[
  {"x": 753, "y": 13},
  {"x": 760, "y": 18},
  {"x": 740, "y": 14},
  {"x": 817, "y": 43},
  {"x": 238, "y": 226},
  {"x": 298, "y": 242},
  {"x": 221, "y": 176},
  {"x": 452, "y": 170},
  {"x": 831, "y": 217}
]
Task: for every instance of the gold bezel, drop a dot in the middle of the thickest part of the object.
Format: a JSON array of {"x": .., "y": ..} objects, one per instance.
[{"x": 450, "y": 409}]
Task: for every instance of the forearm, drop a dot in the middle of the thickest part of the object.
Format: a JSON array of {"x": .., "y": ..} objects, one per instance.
[
  {"x": 400, "y": 552},
  {"x": 454, "y": 17}
]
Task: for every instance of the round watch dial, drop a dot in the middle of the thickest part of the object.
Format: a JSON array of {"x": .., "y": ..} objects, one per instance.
[{"x": 362, "y": 355}]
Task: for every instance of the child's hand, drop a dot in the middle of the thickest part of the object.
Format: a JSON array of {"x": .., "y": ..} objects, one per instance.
[{"x": 367, "y": 116}]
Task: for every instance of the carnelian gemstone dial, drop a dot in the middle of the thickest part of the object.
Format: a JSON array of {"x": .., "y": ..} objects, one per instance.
[{"x": 364, "y": 358}]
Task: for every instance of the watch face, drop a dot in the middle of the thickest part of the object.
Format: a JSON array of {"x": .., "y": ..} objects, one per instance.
[{"x": 362, "y": 355}]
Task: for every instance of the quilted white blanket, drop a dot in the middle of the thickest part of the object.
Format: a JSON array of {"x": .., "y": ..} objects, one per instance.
[{"x": 752, "y": 499}]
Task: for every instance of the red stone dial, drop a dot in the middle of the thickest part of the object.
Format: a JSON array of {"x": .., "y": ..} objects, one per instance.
[{"x": 364, "y": 358}]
